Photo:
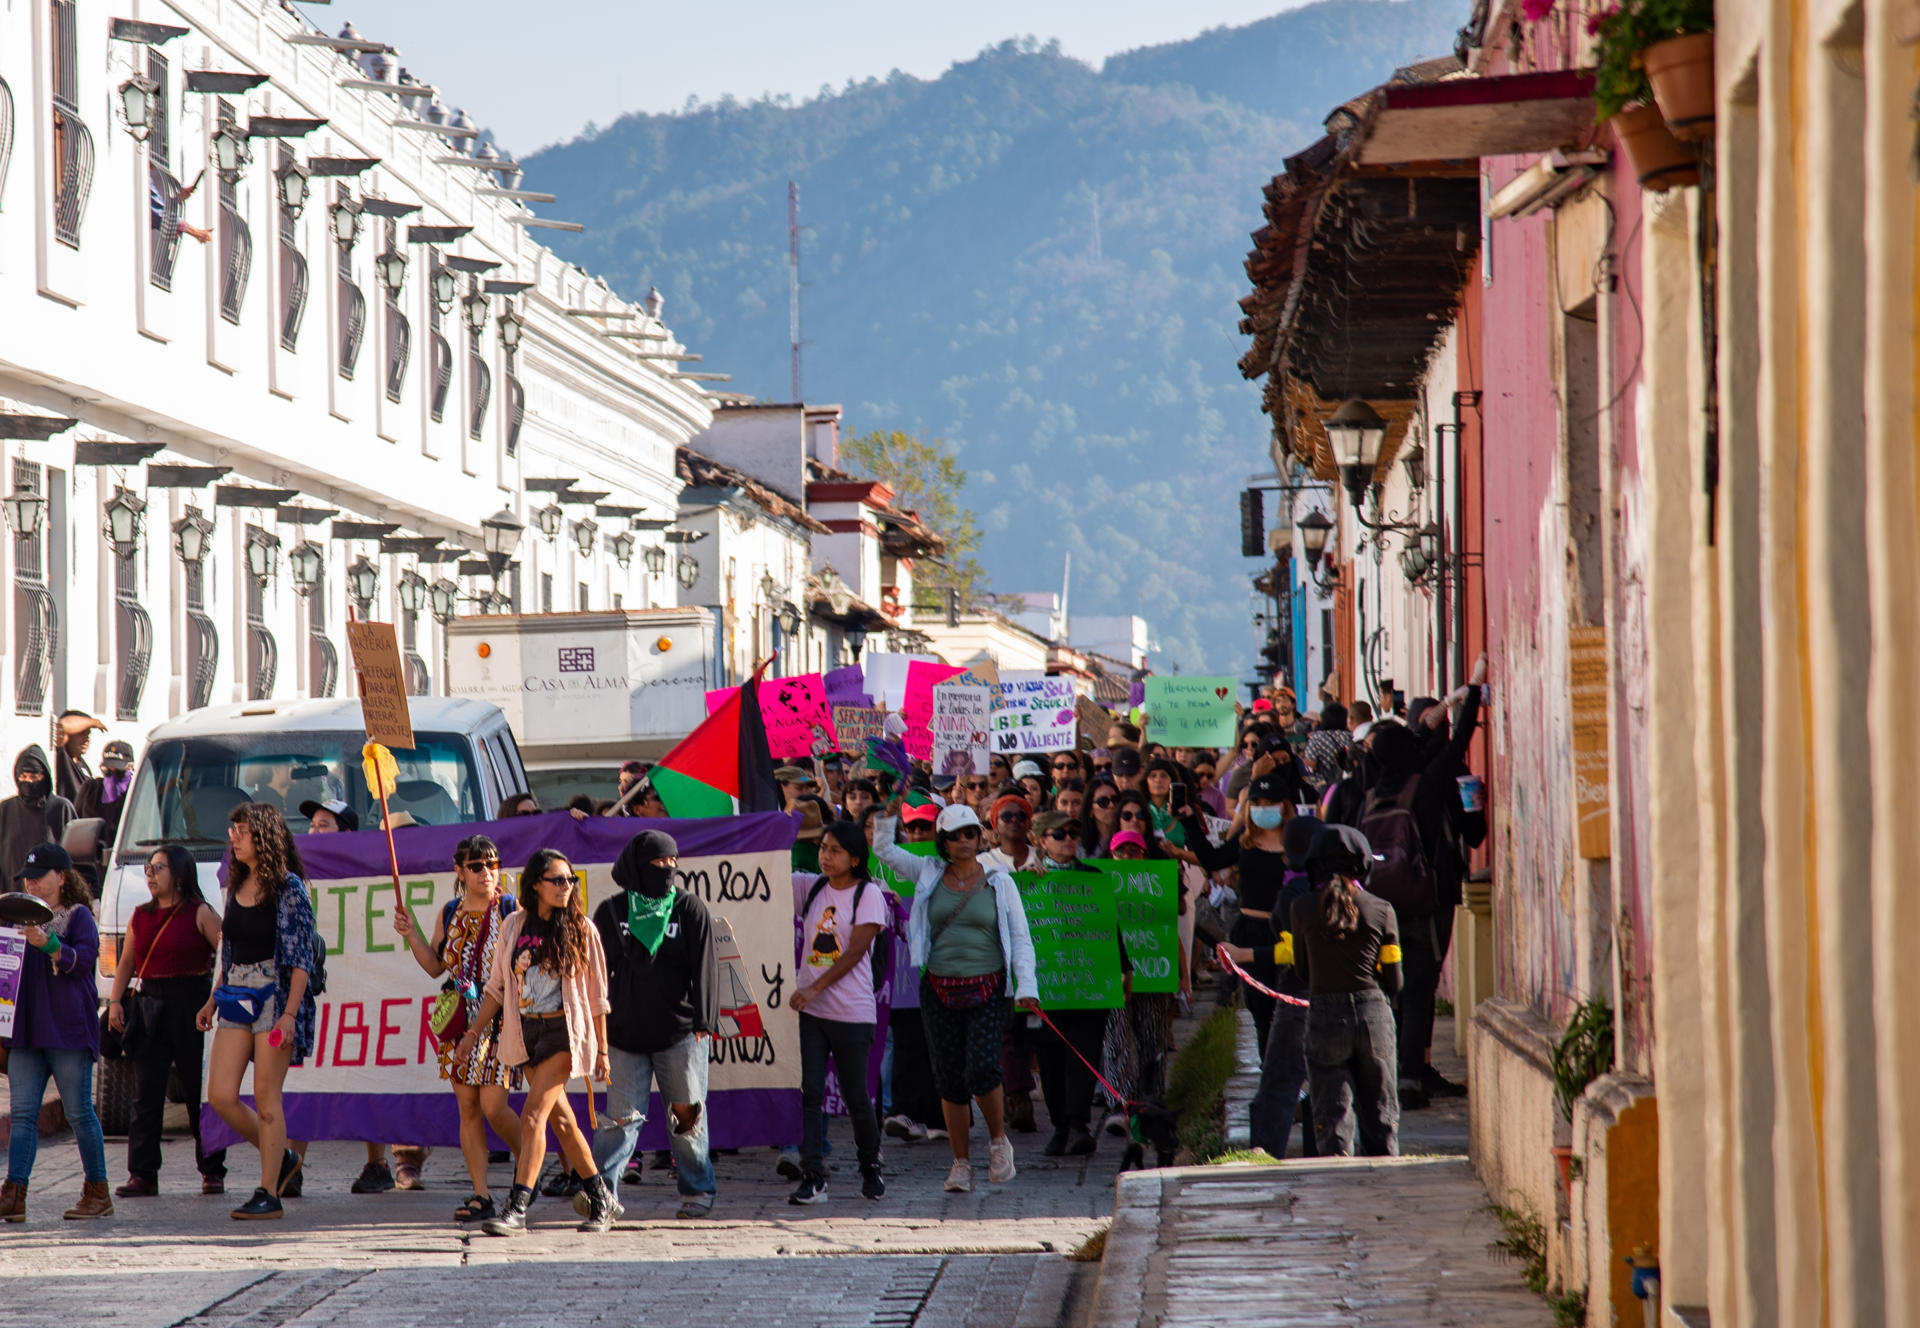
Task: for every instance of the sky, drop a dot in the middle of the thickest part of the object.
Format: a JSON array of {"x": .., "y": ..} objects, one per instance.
[{"x": 541, "y": 81}]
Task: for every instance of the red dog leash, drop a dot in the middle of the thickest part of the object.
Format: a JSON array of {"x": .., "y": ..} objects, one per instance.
[
  {"x": 1119, "y": 1097},
  {"x": 1226, "y": 960}
]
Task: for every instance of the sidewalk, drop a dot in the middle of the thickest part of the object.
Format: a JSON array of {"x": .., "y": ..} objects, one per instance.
[{"x": 1315, "y": 1243}]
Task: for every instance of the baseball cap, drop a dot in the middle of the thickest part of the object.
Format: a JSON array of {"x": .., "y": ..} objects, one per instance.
[
  {"x": 793, "y": 774},
  {"x": 348, "y": 818},
  {"x": 43, "y": 859},
  {"x": 1126, "y": 760},
  {"x": 1133, "y": 837},
  {"x": 1338, "y": 849},
  {"x": 957, "y": 817},
  {"x": 117, "y": 755},
  {"x": 1053, "y": 820},
  {"x": 1270, "y": 788},
  {"x": 922, "y": 811},
  {"x": 1028, "y": 769}
]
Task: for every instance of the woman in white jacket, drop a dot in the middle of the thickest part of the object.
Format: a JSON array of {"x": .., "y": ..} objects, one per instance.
[{"x": 967, "y": 934}]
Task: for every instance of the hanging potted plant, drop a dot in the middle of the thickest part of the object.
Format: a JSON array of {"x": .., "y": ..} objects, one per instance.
[
  {"x": 1679, "y": 64},
  {"x": 1623, "y": 97}
]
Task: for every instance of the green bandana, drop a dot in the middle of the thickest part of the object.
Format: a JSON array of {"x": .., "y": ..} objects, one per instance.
[{"x": 647, "y": 918}]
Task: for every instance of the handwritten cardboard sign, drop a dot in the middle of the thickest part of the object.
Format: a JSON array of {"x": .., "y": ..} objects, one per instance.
[
  {"x": 1076, "y": 949},
  {"x": 1190, "y": 712},
  {"x": 917, "y": 709},
  {"x": 1147, "y": 903},
  {"x": 855, "y": 724},
  {"x": 847, "y": 687},
  {"x": 959, "y": 727},
  {"x": 383, "y": 684},
  {"x": 797, "y": 715},
  {"x": 1036, "y": 716},
  {"x": 1091, "y": 722}
]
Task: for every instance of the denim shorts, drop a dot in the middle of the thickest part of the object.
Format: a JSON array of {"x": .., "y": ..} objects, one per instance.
[
  {"x": 262, "y": 974},
  {"x": 546, "y": 1037}
]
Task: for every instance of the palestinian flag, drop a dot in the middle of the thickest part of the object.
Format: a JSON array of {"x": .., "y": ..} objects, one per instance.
[{"x": 723, "y": 767}]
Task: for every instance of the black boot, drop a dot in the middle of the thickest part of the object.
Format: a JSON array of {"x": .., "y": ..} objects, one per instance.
[
  {"x": 599, "y": 1205},
  {"x": 513, "y": 1222}
]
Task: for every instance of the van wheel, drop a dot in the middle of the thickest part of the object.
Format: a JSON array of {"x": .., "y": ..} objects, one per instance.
[{"x": 114, "y": 1084}]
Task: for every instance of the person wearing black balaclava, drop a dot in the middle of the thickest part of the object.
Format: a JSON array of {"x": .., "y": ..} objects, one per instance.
[
  {"x": 37, "y": 815},
  {"x": 663, "y": 985}
]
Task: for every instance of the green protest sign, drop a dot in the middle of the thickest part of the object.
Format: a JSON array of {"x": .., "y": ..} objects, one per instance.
[
  {"x": 1190, "y": 712},
  {"x": 892, "y": 880},
  {"x": 1147, "y": 903},
  {"x": 1076, "y": 954}
]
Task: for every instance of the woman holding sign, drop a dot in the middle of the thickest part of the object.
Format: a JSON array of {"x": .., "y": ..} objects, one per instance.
[{"x": 967, "y": 933}]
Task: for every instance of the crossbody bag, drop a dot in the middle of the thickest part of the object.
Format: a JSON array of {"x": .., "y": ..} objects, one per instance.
[{"x": 963, "y": 993}]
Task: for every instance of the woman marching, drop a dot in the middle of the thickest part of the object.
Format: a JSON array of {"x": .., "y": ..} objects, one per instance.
[
  {"x": 549, "y": 982},
  {"x": 272, "y": 969},
  {"x": 465, "y": 939},
  {"x": 56, "y": 1034},
  {"x": 166, "y": 967},
  {"x": 967, "y": 933},
  {"x": 1347, "y": 950}
]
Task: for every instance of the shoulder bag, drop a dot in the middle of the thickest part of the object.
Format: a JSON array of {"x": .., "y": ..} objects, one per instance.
[{"x": 114, "y": 1046}]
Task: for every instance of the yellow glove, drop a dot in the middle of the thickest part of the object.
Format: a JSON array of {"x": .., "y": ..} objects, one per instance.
[{"x": 382, "y": 771}]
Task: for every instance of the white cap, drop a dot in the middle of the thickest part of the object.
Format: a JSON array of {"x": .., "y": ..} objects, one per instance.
[
  {"x": 1028, "y": 769},
  {"x": 957, "y": 817}
]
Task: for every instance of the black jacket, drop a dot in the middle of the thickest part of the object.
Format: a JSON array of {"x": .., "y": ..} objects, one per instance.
[
  {"x": 24, "y": 825},
  {"x": 658, "y": 999}
]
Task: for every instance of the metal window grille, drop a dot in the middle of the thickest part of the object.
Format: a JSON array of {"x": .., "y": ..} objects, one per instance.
[
  {"x": 72, "y": 142},
  {"x": 353, "y": 308},
  {"x": 399, "y": 349},
  {"x": 203, "y": 639},
  {"x": 439, "y": 351},
  {"x": 263, "y": 654},
  {"x": 516, "y": 413},
  {"x": 293, "y": 273},
  {"x": 135, "y": 633},
  {"x": 236, "y": 239},
  {"x": 163, "y": 187},
  {"x": 323, "y": 661},
  {"x": 480, "y": 393},
  {"x": 160, "y": 135},
  {"x": 35, "y": 615},
  {"x": 6, "y": 133}
]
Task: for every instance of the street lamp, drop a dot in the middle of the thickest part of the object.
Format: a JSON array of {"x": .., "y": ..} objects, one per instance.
[
  {"x": 363, "y": 582},
  {"x": 263, "y": 555},
  {"x": 124, "y": 521},
  {"x": 789, "y": 618},
  {"x": 392, "y": 269},
  {"x": 767, "y": 586},
  {"x": 1415, "y": 464},
  {"x": 1355, "y": 433},
  {"x": 1314, "y": 528},
  {"x": 656, "y": 558},
  {"x": 623, "y": 549},
  {"x": 413, "y": 591},
  {"x": 190, "y": 535},
  {"x": 139, "y": 104},
  {"x": 345, "y": 217},
  {"x": 475, "y": 307},
  {"x": 689, "y": 570},
  {"x": 446, "y": 288},
  {"x": 586, "y": 533},
  {"x": 291, "y": 182},
  {"x": 307, "y": 561},
  {"x": 24, "y": 511},
  {"x": 445, "y": 597},
  {"x": 231, "y": 152},
  {"x": 549, "y": 519},
  {"x": 510, "y": 330},
  {"x": 501, "y": 535}
]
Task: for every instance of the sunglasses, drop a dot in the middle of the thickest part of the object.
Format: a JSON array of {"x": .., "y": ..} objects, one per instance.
[
  {"x": 1132, "y": 816},
  {"x": 1064, "y": 765},
  {"x": 482, "y": 864},
  {"x": 1061, "y": 833},
  {"x": 1013, "y": 814},
  {"x": 975, "y": 786},
  {"x": 556, "y": 880},
  {"x": 1103, "y": 802},
  {"x": 965, "y": 832}
]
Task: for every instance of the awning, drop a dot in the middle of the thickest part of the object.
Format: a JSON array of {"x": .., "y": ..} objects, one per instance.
[{"x": 1463, "y": 118}]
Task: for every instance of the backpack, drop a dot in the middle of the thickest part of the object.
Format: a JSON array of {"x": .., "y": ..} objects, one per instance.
[
  {"x": 880, "y": 953},
  {"x": 1402, "y": 873}
]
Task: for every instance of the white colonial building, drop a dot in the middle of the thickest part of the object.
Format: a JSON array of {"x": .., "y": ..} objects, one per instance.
[{"x": 282, "y": 319}]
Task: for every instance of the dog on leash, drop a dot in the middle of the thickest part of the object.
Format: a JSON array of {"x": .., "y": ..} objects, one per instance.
[{"x": 1150, "y": 1123}]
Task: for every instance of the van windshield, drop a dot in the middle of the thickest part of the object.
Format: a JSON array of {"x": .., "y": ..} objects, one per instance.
[{"x": 187, "y": 787}]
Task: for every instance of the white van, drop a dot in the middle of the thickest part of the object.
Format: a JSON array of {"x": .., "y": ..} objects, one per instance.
[{"x": 198, "y": 768}]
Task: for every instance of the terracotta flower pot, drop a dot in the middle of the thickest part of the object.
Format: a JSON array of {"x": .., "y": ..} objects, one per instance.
[
  {"x": 1659, "y": 159},
  {"x": 1681, "y": 71},
  {"x": 1563, "y": 1159}
]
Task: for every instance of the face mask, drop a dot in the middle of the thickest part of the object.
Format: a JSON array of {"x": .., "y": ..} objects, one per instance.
[
  {"x": 655, "y": 881},
  {"x": 1267, "y": 818}
]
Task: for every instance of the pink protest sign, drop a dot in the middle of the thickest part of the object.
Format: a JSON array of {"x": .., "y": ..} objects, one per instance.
[
  {"x": 793, "y": 708},
  {"x": 917, "y": 710}
]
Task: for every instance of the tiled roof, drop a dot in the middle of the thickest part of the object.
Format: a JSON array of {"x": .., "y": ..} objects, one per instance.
[{"x": 706, "y": 473}]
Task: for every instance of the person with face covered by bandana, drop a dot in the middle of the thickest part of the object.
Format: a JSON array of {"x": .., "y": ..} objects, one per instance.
[
  {"x": 663, "y": 983},
  {"x": 37, "y": 815}
]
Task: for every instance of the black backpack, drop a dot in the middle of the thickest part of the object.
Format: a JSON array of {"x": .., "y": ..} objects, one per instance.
[
  {"x": 1402, "y": 873},
  {"x": 880, "y": 953}
]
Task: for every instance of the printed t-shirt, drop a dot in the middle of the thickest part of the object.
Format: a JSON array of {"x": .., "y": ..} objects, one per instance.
[
  {"x": 825, "y": 932},
  {"x": 539, "y": 989}
]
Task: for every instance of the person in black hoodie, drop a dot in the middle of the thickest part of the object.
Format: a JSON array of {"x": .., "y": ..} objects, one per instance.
[
  {"x": 37, "y": 815},
  {"x": 663, "y": 984}
]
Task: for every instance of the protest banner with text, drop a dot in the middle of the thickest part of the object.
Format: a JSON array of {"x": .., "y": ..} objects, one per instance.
[
  {"x": 1147, "y": 902},
  {"x": 959, "y": 727},
  {"x": 1076, "y": 949},
  {"x": 1190, "y": 712},
  {"x": 1033, "y": 716}
]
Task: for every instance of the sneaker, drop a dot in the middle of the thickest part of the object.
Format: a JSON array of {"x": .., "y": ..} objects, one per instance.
[
  {"x": 959, "y": 1177},
  {"x": 263, "y": 1207},
  {"x": 294, "y": 1188},
  {"x": 583, "y": 1206},
  {"x": 937, "y": 1133},
  {"x": 1000, "y": 1168},
  {"x": 561, "y": 1184},
  {"x": 290, "y": 1165},
  {"x": 374, "y": 1178},
  {"x": 872, "y": 1186},
  {"x": 406, "y": 1176},
  {"x": 1438, "y": 1085},
  {"x": 1116, "y": 1124},
  {"x": 789, "y": 1165},
  {"x": 1079, "y": 1142},
  {"x": 635, "y": 1172},
  {"x": 813, "y": 1190},
  {"x": 899, "y": 1127},
  {"x": 1056, "y": 1144},
  {"x": 694, "y": 1206}
]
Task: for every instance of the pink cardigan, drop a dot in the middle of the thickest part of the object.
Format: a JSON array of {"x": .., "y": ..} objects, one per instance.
[{"x": 582, "y": 996}]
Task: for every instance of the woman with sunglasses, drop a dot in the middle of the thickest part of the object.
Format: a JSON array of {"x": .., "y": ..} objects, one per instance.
[
  {"x": 466, "y": 936},
  {"x": 1102, "y": 817},
  {"x": 1010, "y": 822},
  {"x": 1065, "y": 766},
  {"x": 549, "y": 984},
  {"x": 967, "y": 934}
]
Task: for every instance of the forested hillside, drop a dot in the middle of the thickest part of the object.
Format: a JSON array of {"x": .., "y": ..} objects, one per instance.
[{"x": 1033, "y": 259}]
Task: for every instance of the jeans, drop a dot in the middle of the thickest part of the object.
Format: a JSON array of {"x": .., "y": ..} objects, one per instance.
[
  {"x": 1350, "y": 1053},
  {"x": 71, "y": 1068},
  {"x": 1283, "y": 1073},
  {"x": 682, "y": 1072},
  {"x": 1421, "y": 954},
  {"x": 851, "y": 1046},
  {"x": 1066, "y": 1082},
  {"x": 169, "y": 1007}
]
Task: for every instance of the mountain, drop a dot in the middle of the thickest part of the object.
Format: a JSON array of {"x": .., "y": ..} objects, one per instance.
[{"x": 1034, "y": 259}]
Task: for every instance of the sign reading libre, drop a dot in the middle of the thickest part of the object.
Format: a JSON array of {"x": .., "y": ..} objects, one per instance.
[
  {"x": 1190, "y": 712},
  {"x": 1036, "y": 715},
  {"x": 1075, "y": 949},
  {"x": 383, "y": 683}
]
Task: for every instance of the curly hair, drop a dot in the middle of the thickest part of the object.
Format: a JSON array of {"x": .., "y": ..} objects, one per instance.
[
  {"x": 566, "y": 952},
  {"x": 274, "y": 856},
  {"x": 74, "y": 890}
]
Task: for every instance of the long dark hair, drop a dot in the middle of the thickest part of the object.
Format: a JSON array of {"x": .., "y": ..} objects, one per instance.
[
  {"x": 1340, "y": 907},
  {"x": 1089, "y": 827},
  {"x": 566, "y": 951},
  {"x": 849, "y": 836},
  {"x": 1138, "y": 798},
  {"x": 184, "y": 872},
  {"x": 274, "y": 855}
]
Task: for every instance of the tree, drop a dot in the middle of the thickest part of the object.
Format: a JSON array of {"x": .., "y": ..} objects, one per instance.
[{"x": 925, "y": 481}]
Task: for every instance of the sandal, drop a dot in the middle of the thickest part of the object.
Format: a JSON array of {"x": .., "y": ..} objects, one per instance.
[{"x": 477, "y": 1208}]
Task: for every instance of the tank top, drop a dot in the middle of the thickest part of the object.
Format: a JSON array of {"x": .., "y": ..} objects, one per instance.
[
  {"x": 166, "y": 943},
  {"x": 250, "y": 930}
]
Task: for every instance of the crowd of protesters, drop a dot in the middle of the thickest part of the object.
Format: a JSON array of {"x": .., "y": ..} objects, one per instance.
[{"x": 1322, "y": 856}]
